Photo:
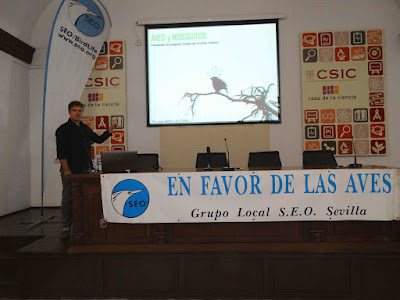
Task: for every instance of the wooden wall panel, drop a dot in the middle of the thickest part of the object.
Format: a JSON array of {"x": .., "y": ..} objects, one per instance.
[
  {"x": 60, "y": 275},
  {"x": 237, "y": 232},
  {"x": 305, "y": 275},
  {"x": 223, "y": 275},
  {"x": 214, "y": 275},
  {"x": 377, "y": 276},
  {"x": 362, "y": 231},
  {"x": 141, "y": 276}
]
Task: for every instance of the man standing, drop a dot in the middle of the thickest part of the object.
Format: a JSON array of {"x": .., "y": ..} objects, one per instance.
[{"x": 74, "y": 140}]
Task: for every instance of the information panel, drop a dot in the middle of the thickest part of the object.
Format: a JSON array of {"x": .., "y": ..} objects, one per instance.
[
  {"x": 343, "y": 93},
  {"x": 104, "y": 97}
]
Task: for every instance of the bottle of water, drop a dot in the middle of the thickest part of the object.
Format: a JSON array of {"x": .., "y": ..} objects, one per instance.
[
  {"x": 96, "y": 163},
  {"x": 99, "y": 167}
]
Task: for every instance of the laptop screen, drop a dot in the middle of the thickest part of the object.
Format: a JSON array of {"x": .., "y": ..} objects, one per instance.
[{"x": 119, "y": 161}]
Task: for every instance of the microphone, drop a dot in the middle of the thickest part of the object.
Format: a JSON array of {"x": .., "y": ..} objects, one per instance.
[
  {"x": 228, "y": 167},
  {"x": 355, "y": 165},
  {"x": 208, "y": 168}
]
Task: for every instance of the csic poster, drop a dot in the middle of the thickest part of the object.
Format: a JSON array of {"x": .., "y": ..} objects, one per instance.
[
  {"x": 104, "y": 97},
  {"x": 343, "y": 92}
]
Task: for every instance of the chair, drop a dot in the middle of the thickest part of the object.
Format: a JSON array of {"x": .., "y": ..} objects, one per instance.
[
  {"x": 217, "y": 160},
  {"x": 265, "y": 159},
  {"x": 148, "y": 161},
  {"x": 319, "y": 159}
]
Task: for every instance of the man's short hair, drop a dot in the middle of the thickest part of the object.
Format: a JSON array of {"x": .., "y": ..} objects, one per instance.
[{"x": 73, "y": 104}]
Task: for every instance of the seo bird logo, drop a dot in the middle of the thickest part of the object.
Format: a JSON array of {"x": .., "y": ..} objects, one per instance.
[
  {"x": 86, "y": 16},
  {"x": 130, "y": 198}
]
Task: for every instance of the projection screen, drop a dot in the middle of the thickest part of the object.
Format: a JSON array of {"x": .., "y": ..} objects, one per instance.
[{"x": 206, "y": 73}]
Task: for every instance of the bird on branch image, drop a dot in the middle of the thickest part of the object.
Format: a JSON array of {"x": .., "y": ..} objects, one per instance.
[{"x": 250, "y": 105}]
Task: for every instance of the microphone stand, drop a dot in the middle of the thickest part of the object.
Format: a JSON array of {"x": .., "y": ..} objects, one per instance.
[
  {"x": 355, "y": 165},
  {"x": 228, "y": 167},
  {"x": 208, "y": 168}
]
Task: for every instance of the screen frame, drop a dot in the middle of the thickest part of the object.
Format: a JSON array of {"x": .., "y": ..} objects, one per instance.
[{"x": 209, "y": 24}]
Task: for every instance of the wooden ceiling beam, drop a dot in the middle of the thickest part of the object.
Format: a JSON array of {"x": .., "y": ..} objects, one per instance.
[{"x": 15, "y": 47}]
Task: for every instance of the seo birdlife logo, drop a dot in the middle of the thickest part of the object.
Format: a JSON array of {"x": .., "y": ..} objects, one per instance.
[
  {"x": 86, "y": 16},
  {"x": 130, "y": 198}
]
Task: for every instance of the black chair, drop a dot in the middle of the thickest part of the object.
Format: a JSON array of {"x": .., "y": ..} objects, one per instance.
[
  {"x": 217, "y": 160},
  {"x": 319, "y": 159},
  {"x": 265, "y": 159},
  {"x": 148, "y": 161}
]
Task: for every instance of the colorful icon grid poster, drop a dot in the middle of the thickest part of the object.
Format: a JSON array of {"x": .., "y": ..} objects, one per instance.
[
  {"x": 104, "y": 97},
  {"x": 343, "y": 96}
]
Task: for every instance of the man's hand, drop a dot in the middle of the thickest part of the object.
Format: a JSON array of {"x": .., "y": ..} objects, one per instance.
[
  {"x": 65, "y": 167},
  {"x": 114, "y": 124}
]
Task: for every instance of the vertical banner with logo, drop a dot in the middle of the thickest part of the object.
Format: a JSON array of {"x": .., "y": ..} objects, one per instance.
[
  {"x": 79, "y": 30},
  {"x": 104, "y": 97},
  {"x": 343, "y": 93}
]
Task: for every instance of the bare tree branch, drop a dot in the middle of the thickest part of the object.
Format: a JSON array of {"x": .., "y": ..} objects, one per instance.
[{"x": 252, "y": 95}]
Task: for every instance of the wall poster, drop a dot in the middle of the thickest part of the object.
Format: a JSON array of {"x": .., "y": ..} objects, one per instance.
[
  {"x": 104, "y": 97},
  {"x": 343, "y": 97}
]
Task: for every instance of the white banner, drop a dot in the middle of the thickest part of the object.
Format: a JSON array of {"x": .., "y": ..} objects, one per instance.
[
  {"x": 251, "y": 196},
  {"x": 79, "y": 30}
]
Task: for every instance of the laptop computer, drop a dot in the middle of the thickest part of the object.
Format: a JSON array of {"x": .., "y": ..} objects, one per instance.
[{"x": 119, "y": 161}]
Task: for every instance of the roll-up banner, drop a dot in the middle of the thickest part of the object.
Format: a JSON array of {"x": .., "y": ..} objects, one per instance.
[{"x": 80, "y": 27}]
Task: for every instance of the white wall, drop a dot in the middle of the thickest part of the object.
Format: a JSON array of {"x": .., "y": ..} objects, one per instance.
[
  {"x": 18, "y": 18},
  {"x": 14, "y": 135},
  {"x": 305, "y": 15}
]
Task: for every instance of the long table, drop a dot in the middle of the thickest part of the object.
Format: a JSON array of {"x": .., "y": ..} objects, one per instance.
[
  {"x": 251, "y": 196},
  {"x": 236, "y": 259},
  {"x": 91, "y": 229}
]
